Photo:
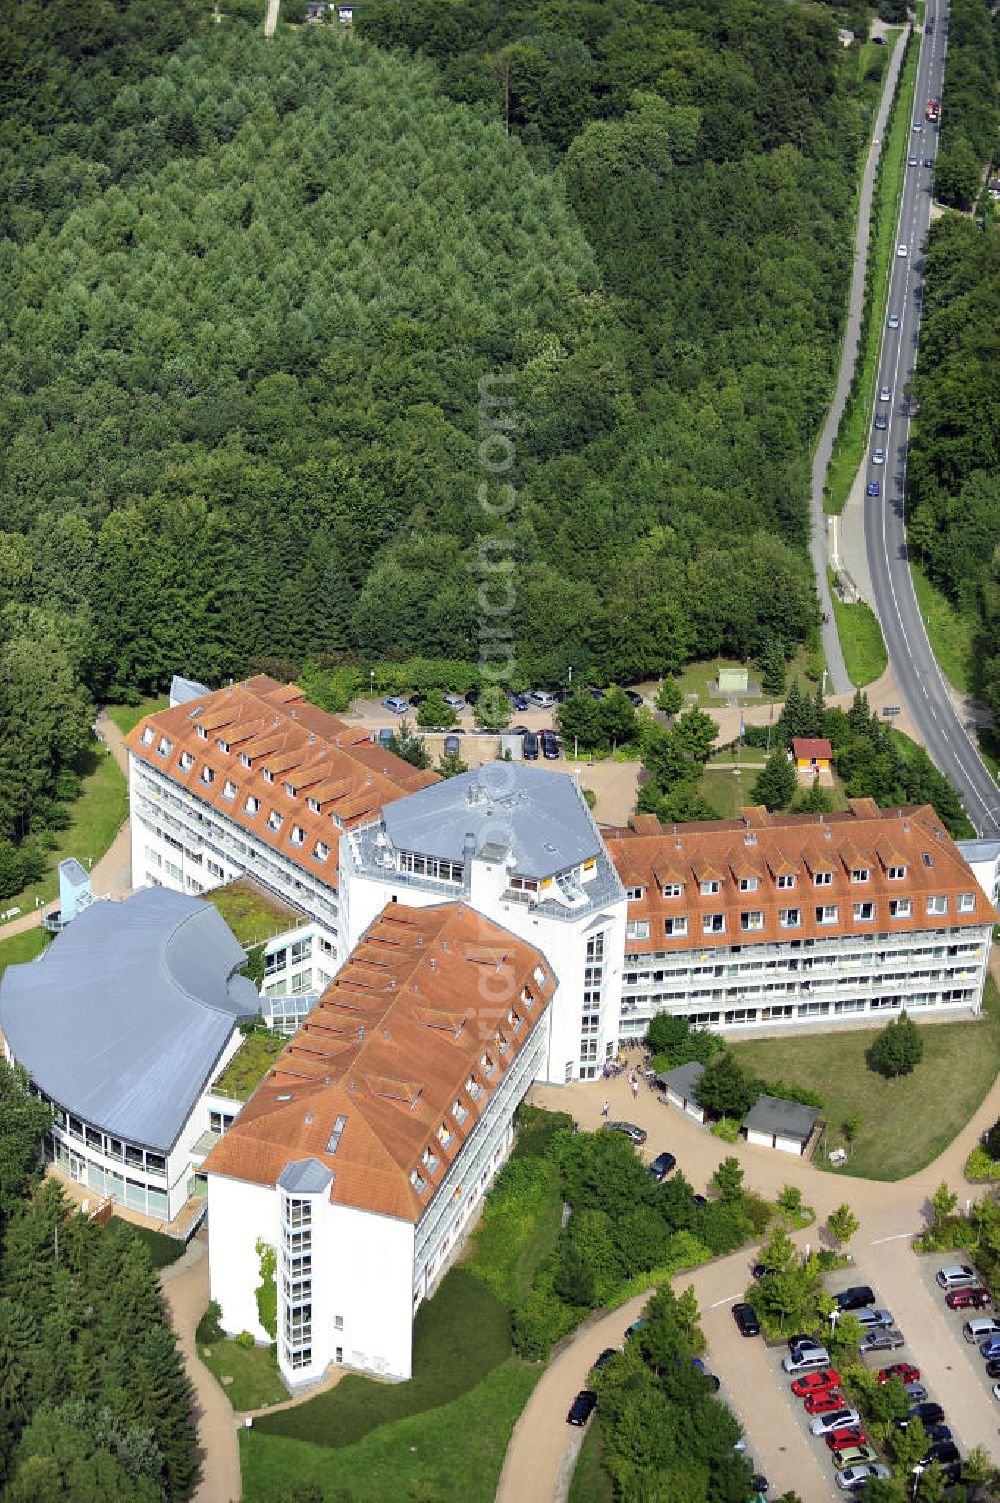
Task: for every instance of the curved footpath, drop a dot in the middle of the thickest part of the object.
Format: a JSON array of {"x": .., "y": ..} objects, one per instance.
[
  {"x": 542, "y": 1450},
  {"x": 839, "y": 681}
]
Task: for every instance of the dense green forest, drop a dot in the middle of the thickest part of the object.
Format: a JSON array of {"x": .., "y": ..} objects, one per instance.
[
  {"x": 95, "y": 1400},
  {"x": 253, "y": 291},
  {"x": 969, "y": 117},
  {"x": 953, "y": 473}
]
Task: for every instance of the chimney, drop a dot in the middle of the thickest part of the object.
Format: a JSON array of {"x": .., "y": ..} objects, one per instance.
[
  {"x": 385, "y": 1034},
  {"x": 906, "y": 826},
  {"x": 312, "y": 739},
  {"x": 416, "y": 988}
]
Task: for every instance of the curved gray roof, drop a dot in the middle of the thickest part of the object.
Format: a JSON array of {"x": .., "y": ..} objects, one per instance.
[
  {"x": 123, "y": 1018},
  {"x": 540, "y": 817}
]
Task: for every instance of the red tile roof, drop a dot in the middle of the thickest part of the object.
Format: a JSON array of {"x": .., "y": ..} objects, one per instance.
[
  {"x": 799, "y": 846},
  {"x": 805, "y": 747},
  {"x": 429, "y": 1002},
  {"x": 308, "y": 754}
]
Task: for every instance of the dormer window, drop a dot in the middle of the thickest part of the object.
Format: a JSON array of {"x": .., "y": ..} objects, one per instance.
[
  {"x": 165, "y": 747},
  {"x": 748, "y": 884},
  {"x": 635, "y": 893},
  {"x": 208, "y": 775},
  {"x": 710, "y": 887},
  {"x": 503, "y": 1043},
  {"x": 252, "y": 805},
  {"x": 290, "y": 789},
  {"x": 418, "y": 1182},
  {"x": 487, "y": 1064},
  {"x": 430, "y": 1161},
  {"x": 187, "y": 761},
  {"x": 445, "y": 1135},
  {"x": 202, "y": 733},
  {"x": 147, "y": 736},
  {"x": 897, "y": 873},
  {"x": 785, "y": 879},
  {"x": 229, "y": 789},
  {"x": 298, "y": 835},
  {"x": 313, "y": 805},
  {"x": 822, "y": 879},
  {"x": 672, "y": 889},
  {"x": 473, "y": 1089},
  {"x": 275, "y": 820},
  {"x": 245, "y": 758},
  {"x": 859, "y": 874},
  {"x": 321, "y": 850},
  {"x": 268, "y": 775},
  {"x": 222, "y": 745},
  {"x": 459, "y": 1112}
]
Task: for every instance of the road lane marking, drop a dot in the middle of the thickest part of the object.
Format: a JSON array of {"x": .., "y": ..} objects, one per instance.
[
  {"x": 899, "y": 1237},
  {"x": 730, "y": 1299}
]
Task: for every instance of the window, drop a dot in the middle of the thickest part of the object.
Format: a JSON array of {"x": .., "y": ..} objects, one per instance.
[
  {"x": 473, "y": 1089},
  {"x": 710, "y": 888},
  {"x": 321, "y": 850},
  {"x": 863, "y": 912},
  {"x": 218, "y": 1122},
  {"x": 430, "y": 1161},
  {"x": 313, "y": 804},
  {"x": 208, "y": 775},
  {"x": 713, "y": 923},
  {"x": 748, "y": 884},
  {"x": 790, "y": 918},
  {"x": 900, "y": 908},
  {"x": 675, "y": 927},
  {"x": 635, "y": 893},
  {"x": 165, "y": 747},
  {"x": 859, "y": 874},
  {"x": 298, "y": 835},
  {"x": 967, "y": 902},
  {"x": 822, "y": 879},
  {"x": 897, "y": 873},
  {"x": 418, "y": 1182},
  {"x": 937, "y": 905},
  {"x": 222, "y": 744},
  {"x": 229, "y": 789},
  {"x": 268, "y": 775},
  {"x": 827, "y": 913},
  {"x": 637, "y": 929},
  {"x": 459, "y": 1112},
  {"x": 752, "y": 921},
  {"x": 187, "y": 761},
  {"x": 147, "y": 736},
  {"x": 785, "y": 880},
  {"x": 445, "y": 1135},
  {"x": 275, "y": 820},
  {"x": 244, "y": 758},
  {"x": 672, "y": 889}
]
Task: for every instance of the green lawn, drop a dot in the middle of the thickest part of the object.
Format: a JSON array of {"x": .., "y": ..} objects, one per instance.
[
  {"x": 127, "y": 717},
  {"x": 726, "y": 792},
  {"x": 453, "y": 1451},
  {"x": 21, "y": 947},
  {"x": 459, "y": 1337},
  {"x": 591, "y": 1483},
  {"x": 950, "y": 634},
  {"x": 907, "y": 1122},
  {"x": 865, "y": 655},
  {"x": 95, "y": 818},
  {"x": 248, "y": 1374},
  {"x": 249, "y": 1065},
  {"x": 252, "y": 914},
  {"x": 163, "y": 1250},
  {"x": 853, "y": 436}
]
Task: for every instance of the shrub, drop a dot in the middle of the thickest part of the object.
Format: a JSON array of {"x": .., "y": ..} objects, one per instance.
[
  {"x": 209, "y": 1327},
  {"x": 245, "y": 1338},
  {"x": 728, "y": 1129},
  {"x": 991, "y": 1141},
  {"x": 267, "y": 1289},
  {"x": 979, "y": 1165},
  {"x": 539, "y": 1322}
]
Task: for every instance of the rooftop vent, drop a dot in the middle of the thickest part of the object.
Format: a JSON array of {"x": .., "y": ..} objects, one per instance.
[
  {"x": 284, "y": 1096},
  {"x": 336, "y": 1132},
  {"x": 385, "y": 1034},
  {"x": 434, "y": 964},
  {"x": 309, "y": 1119}
]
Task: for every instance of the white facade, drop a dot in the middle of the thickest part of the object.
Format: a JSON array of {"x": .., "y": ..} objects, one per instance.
[{"x": 775, "y": 1140}]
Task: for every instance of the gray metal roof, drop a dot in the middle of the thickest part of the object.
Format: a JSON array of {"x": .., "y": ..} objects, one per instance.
[
  {"x": 789, "y": 1119},
  {"x": 184, "y": 689},
  {"x": 123, "y": 1018},
  {"x": 540, "y": 817},
  {"x": 683, "y": 1079},
  {"x": 978, "y": 850},
  {"x": 305, "y": 1177}
]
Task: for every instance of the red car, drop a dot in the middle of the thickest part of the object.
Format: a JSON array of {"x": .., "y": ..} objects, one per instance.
[
  {"x": 904, "y": 1371},
  {"x": 827, "y": 1401},
  {"x": 968, "y": 1299},
  {"x": 813, "y": 1382},
  {"x": 850, "y": 1435}
]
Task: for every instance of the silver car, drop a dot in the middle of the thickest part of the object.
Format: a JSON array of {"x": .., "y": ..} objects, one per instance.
[
  {"x": 880, "y": 1340},
  {"x": 839, "y": 1419},
  {"x": 852, "y": 1477},
  {"x": 874, "y": 1319},
  {"x": 878, "y": 457}
]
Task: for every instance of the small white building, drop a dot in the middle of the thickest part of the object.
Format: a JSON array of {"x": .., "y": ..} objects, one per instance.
[
  {"x": 122, "y": 1024},
  {"x": 785, "y": 1125},
  {"x": 364, "y": 1155},
  {"x": 983, "y": 857},
  {"x": 681, "y": 1088}
]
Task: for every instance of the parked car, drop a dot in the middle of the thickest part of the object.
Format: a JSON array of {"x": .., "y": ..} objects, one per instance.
[
  {"x": 882, "y": 1340},
  {"x": 542, "y": 698},
  {"x": 915, "y": 1391},
  {"x": 904, "y": 1371},
  {"x": 637, "y": 1325},
  {"x": 634, "y": 696},
  {"x": 937, "y": 1432},
  {"x": 990, "y": 1348},
  {"x": 517, "y": 700},
  {"x": 847, "y": 1435},
  {"x": 605, "y": 1357},
  {"x": 856, "y": 1297},
  {"x": 550, "y": 745},
  {"x": 662, "y": 1165},
  {"x": 805, "y": 1360},
  {"x": 993, "y": 1368},
  {"x": 977, "y": 1330},
  {"x": 746, "y": 1320},
  {"x": 416, "y": 699},
  {"x": 582, "y": 1407},
  {"x": 472, "y": 698},
  {"x": 529, "y": 746},
  {"x": 873, "y": 488},
  {"x": 957, "y": 1276},
  {"x": 637, "y": 1135},
  {"x": 596, "y": 693},
  {"x": 871, "y": 1319},
  {"x": 945, "y": 1452},
  {"x": 827, "y": 1377},
  {"x": 451, "y": 745},
  {"x": 996, "y": 1390},
  {"x": 854, "y": 1455},
  {"x": 853, "y": 1477},
  {"x": 972, "y": 1298},
  {"x": 824, "y": 1401},
  {"x": 455, "y": 700},
  {"x": 927, "y": 1413},
  {"x": 396, "y": 704},
  {"x": 825, "y": 1424},
  {"x": 796, "y": 1343}
]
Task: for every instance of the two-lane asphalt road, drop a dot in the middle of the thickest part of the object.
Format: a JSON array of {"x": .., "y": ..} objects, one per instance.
[{"x": 910, "y": 655}]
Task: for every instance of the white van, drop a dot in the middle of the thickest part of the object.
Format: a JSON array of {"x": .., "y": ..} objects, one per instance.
[
  {"x": 957, "y": 1276},
  {"x": 978, "y": 1330},
  {"x": 542, "y": 699}
]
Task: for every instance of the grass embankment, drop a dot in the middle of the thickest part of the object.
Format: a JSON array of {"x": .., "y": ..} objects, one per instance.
[
  {"x": 22, "y": 947},
  {"x": 949, "y": 632},
  {"x": 162, "y": 1250},
  {"x": 853, "y": 435},
  {"x": 249, "y": 1065},
  {"x": 865, "y": 655},
  {"x": 127, "y": 717},
  {"x": 94, "y": 820},
  {"x": 905, "y": 1123},
  {"x": 248, "y": 1374},
  {"x": 591, "y": 1483},
  {"x": 448, "y": 1428},
  {"x": 252, "y": 914}
]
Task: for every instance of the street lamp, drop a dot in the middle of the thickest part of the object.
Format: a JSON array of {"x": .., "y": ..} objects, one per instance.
[
  {"x": 371, "y": 682},
  {"x": 571, "y": 675}
]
